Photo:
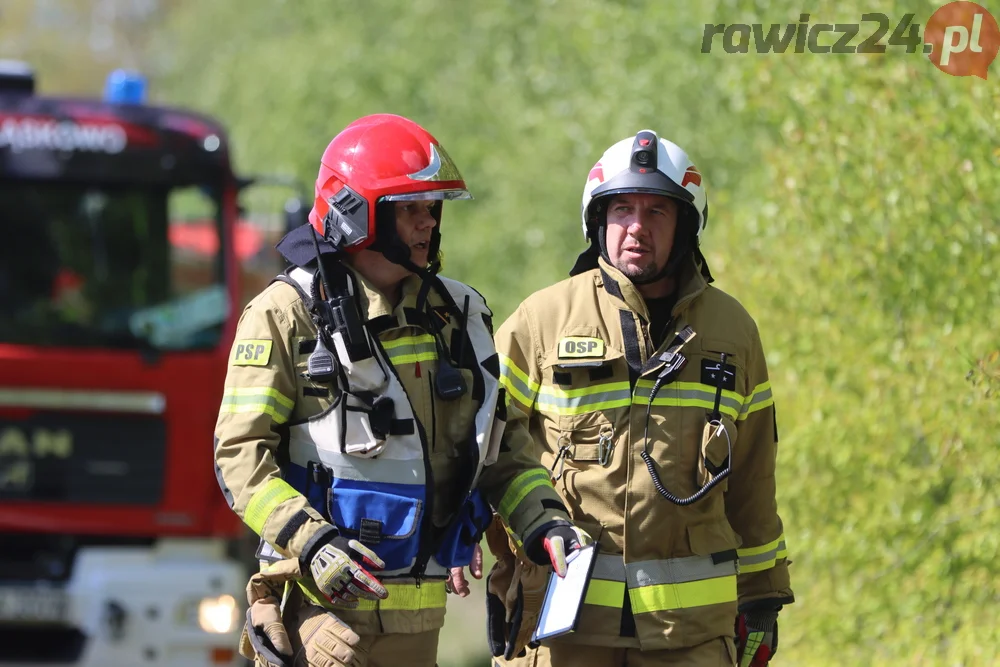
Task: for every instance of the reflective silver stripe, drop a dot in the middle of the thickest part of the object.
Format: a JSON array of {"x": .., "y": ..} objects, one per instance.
[
  {"x": 758, "y": 400},
  {"x": 140, "y": 402},
  {"x": 689, "y": 394},
  {"x": 410, "y": 349},
  {"x": 589, "y": 399},
  {"x": 611, "y": 567},
  {"x": 676, "y": 571},
  {"x": 517, "y": 381}
]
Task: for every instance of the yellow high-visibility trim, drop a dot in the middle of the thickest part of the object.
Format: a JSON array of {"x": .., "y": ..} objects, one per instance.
[
  {"x": 508, "y": 363},
  {"x": 665, "y": 597},
  {"x": 514, "y": 391},
  {"x": 751, "y": 561},
  {"x": 402, "y": 597},
  {"x": 520, "y": 487},
  {"x": 408, "y": 340},
  {"x": 413, "y": 358},
  {"x": 583, "y": 409},
  {"x": 264, "y": 502},
  {"x": 260, "y": 391},
  {"x": 764, "y": 548},
  {"x": 265, "y": 400},
  {"x": 604, "y": 593},
  {"x": 547, "y": 390},
  {"x": 758, "y": 399},
  {"x": 407, "y": 597}
]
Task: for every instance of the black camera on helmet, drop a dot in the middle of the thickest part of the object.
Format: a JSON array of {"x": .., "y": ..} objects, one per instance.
[{"x": 644, "y": 152}]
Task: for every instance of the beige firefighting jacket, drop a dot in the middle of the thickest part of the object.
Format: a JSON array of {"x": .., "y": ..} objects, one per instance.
[
  {"x": 266, "y": 391},
  {"x": 565, "y": 361}
]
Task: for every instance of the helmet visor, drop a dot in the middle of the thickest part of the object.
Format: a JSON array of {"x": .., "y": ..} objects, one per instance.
[{"x": 456, "y": 193}]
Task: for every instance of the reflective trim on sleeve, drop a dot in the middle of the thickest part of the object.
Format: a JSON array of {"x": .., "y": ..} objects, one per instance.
[
  {"x": 764, "y": 557},
  {"x": 411, "y": 349},
  {"x": 266, "y": 400},
  {"x": 516, "y": 382},
  {"x": 759, "y": 399},
  {"x": 262, "y": 503},
  {"x": 520, "y": 487}
]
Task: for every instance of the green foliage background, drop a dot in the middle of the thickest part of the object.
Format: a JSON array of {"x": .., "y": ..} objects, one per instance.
[{"x": 854, "y": 205}]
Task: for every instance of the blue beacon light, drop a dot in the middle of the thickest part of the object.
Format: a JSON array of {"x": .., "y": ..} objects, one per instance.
[{"x": 125, "y": 87}]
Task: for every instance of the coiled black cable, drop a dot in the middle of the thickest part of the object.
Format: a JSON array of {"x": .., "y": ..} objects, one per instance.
[{"x": 651, "y": 466}]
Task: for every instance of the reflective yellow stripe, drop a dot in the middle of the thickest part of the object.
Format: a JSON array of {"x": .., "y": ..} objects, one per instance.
[
  {"x": 401, "y": 359},
  {"x": 758, "y": 399},
  {"x": 586, "y": 399},
  {"x": 407, "y": 597},
  {"x": 691, "y": 395},
  {"x": 664, "y": 597},
  {"x": 266, "y": 400},
  {"x": 275, "y": 492},
  {"x": 516, "y": 382},
  {"x": 521, "y": 486},
  {"x": 763, "y": 557},
  {"x": 402, "y": 597},
  {"x": 411, "y": 349},
  {"x": 604, "y": 593},
  {"x": 408, "y": 340},
  {"x": 764, "y": 548}
]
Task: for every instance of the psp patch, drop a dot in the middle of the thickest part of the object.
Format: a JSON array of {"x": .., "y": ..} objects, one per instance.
[
  {"x": 580, "y": 347},
  {"x": 712, "y": 370},
  {"x": 251, "y": 353}
]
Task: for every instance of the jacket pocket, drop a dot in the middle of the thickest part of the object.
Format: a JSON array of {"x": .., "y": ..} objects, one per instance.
[
  {"x": 574, "y": 391},
  {"x": 465, "y": 532},
  {"x": 384, "y": 521},
  {"x": 715, "y": 456}
]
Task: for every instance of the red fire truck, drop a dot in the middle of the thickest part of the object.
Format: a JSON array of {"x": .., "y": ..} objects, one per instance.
[{"x": 123, "y": 270}]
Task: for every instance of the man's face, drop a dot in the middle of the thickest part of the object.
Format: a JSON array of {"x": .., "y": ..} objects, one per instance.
[
  {"x": 414, "y": 224},
  {"x": 640, "y": 233}
]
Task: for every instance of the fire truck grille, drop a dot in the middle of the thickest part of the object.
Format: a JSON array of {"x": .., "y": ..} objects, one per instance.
[
  {"x": 76, "y": 458},
  {"x": 33, "y": 644}
]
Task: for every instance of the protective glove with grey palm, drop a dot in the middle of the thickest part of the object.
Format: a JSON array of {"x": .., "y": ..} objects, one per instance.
[{"x": 340, "y": 569}]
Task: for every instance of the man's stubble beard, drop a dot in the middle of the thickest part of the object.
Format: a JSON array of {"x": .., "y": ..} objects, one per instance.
[{"x": 649, "y": 271}]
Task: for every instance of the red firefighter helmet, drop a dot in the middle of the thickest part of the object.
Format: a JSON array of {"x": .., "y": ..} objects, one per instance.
[{"x": 378, "y": 158}]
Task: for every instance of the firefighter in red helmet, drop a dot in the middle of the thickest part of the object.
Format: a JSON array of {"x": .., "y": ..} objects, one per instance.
[{"x": 362, "y": 430}]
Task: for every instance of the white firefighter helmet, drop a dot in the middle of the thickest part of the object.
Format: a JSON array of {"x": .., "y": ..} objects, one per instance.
[{"x": 649, "y": 164}]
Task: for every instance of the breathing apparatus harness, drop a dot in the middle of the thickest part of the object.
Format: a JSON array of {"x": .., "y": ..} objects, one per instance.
[{"x": 338, "y": 312}]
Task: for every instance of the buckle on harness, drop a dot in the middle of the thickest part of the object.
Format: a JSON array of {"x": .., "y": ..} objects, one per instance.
[{"x": 605, "y": 445}]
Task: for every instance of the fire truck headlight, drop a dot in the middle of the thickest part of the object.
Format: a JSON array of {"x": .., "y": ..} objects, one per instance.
[{"x": 218, "y": 615}]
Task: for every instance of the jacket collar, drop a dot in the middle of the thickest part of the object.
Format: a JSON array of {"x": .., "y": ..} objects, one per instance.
[
  {"x": 692, "y": 283},
  {"x": 375, "y": 304}
]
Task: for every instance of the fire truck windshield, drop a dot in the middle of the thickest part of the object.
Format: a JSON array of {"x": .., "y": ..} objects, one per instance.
[{"x": 111, "y": 266}]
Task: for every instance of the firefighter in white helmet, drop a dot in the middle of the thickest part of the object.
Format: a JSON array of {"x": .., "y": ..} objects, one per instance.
[{"x": 646, "y": 392}]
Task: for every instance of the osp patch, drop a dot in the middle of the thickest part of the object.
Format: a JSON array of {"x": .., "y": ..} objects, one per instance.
[{"x": 580, "y": 347}]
